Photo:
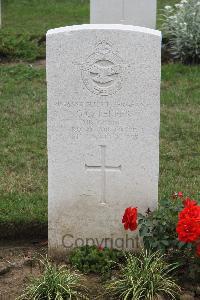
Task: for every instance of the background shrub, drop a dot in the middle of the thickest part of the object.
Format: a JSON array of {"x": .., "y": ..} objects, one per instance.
[{"x": 181, "y": 26}]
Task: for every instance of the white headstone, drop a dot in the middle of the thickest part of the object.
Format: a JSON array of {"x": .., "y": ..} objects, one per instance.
[
  {"x": 103, "y": 131},
  {"x": 131, "y": 12}
]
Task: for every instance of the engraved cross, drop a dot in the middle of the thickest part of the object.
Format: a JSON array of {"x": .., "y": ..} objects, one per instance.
[{"x": 103, "y": 168}]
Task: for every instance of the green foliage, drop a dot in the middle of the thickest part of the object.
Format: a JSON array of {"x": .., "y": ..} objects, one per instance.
[
  {"x": 158, "y": 229},
  {"x": 90, "y": 259},
  {"x": 146, "y": 276},
  {"x": 21, "y": 46},
  {"x": 55, "y": 284},
  {"x": 181, "y": 25}
]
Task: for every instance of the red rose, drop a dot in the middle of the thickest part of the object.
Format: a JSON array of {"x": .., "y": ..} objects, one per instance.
[
  {"x": 188, "y": 202},
  {"x": 198, "y": 249},
  {"x": 188, "y": 230},
  {"x": 130, "y": 218},
  {"x": 190, "y": 211}
]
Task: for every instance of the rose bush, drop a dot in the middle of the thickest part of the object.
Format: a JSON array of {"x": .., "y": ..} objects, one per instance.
[
  {"x": 173, "y": 229},
  {"x": 187, "y": 227}
]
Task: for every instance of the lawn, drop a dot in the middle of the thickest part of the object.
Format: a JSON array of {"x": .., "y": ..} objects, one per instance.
[
  {"x": 23, "y": 153},
  {"x": 23, "y": 161},
  {"x": 37, "y": 16},
  {"x": 26, "y": 22}
]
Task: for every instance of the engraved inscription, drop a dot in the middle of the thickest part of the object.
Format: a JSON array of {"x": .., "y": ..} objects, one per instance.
[
  {"x": 102, "y": 119},
  {"x": 102, "y": 73},
  {"x": 103, "y": 168}
]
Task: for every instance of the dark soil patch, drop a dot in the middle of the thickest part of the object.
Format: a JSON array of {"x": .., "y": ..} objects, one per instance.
[{"x": 29, "y": 231}]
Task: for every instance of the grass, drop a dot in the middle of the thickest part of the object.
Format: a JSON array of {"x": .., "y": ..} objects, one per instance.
[
  {"x": 37, "y": 16},
  {"x": 23, "y": 162},
  {"x": 23, "y": 159},
  {"x": 179, "y": 137},
  {"x": 25, "y": 23}
]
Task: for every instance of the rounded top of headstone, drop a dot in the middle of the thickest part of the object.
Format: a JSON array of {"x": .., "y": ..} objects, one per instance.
[{"x": 121, "y": 27}]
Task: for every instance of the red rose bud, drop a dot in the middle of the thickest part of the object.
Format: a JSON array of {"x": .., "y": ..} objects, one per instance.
[
  {"x": 180, "y": 195},
  {"x": 130, "y": 218}
]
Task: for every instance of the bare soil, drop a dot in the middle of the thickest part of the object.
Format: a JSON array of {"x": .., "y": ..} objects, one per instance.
[{"x": 19, "y": 262}]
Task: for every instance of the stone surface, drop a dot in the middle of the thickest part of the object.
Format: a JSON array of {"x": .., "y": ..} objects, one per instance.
[
  {"x": 103, "y": 131},
  {"x": 131, "y": 12}
]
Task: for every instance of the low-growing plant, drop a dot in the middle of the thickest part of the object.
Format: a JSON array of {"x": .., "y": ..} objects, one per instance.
[
  {"x": 181, "y": 26},
  {"x": 56, "y": 283},
  {"x": 146, "y": 276},
  {"x": 93, "y": 259}
]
